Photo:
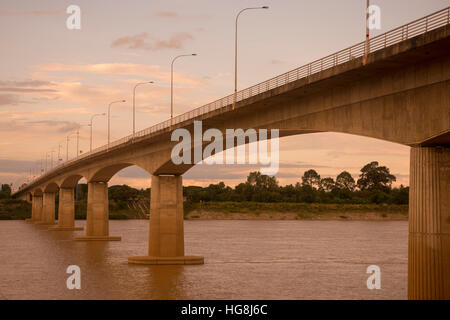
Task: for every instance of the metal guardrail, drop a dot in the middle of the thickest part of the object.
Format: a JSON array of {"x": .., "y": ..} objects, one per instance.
[{"x": 430, "y": 22}]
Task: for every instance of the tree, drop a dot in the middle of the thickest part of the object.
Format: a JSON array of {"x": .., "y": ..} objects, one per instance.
[
  {"x": 375, "y": 177},
  {"x": 5, "y": 191},
  {"x": 327, "y": 184},
  {"x": 262, "y": 181},
  {"x": 311, "y": 178},
  {"x": 345, "y": 181}
]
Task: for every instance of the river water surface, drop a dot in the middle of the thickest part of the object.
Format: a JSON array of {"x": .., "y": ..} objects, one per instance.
[{"x": 243, "y": 260}]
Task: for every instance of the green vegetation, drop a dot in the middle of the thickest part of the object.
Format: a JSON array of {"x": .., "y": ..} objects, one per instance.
[
  {"x": 5, "y": 191},
  {"x": 373, "y": 186},
  {"x": 12, "y": 209},
  {"x": 372, "y": 192},
  {"x": 303, "y": 209}
]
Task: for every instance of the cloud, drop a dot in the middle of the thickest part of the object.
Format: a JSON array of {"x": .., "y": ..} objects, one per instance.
[
  {"x": 9, "y": 99},
  {"x": 26, "y": 90},
  {"x": 43, "y": 126},
  {"x": 16, "y": 166},
  {"x": 150, "y": 72},
  {"x": 144, "y": 41},
  {"x": 32, "y": 12},
  {"x": 25, "y": 83},
  {"x": 275, "y": 61},
  {"x": 166, "y": 14}
]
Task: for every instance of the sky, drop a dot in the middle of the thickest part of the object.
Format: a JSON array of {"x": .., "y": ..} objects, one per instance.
[{"x": 53, "y": 79}]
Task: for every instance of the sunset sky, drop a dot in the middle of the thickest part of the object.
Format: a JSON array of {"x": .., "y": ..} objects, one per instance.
[{"x": 53, "y": 79}]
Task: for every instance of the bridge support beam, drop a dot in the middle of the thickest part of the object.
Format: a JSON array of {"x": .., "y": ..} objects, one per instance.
[
  {"x": 36, "y": 209},
  {"x": 48, "y": 209},
  {"x": 97, "y": 217},
  {"x": 166, "y": 240},
  {"x": 429, "y": 224},
  {"x": 66, "y": 211}
]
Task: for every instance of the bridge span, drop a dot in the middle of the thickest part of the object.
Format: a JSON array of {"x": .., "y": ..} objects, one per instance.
[{"x": 396, "y": 89}]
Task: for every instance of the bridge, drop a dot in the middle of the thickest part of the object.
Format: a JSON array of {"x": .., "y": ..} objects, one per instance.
[{"x": 394, "y": 88}]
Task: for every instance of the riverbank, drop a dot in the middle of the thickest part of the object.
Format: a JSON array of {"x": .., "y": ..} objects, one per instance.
[
  {"x": 11, "y": 209},
  {"x": 294, "y": 211}
]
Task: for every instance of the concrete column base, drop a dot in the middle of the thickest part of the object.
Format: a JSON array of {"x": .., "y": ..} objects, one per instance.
[
  {"x": 429, "y": 224},
  {"x": 97, "y": 217},
  {"x": 148, "y": 260},
  {"x": 36, "y": 209},
  {"x": 97, "y": 238},
  {"x": 44, "y": 223},
  {"x": 66, "y": 211},
  {"x": 166, "y": 238},
  {"x": 59, "y": 228},
  {"x": 48, "y": 208}
]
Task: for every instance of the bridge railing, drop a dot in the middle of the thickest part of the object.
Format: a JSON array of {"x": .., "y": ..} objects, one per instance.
[{"x": 407, "y": 31}]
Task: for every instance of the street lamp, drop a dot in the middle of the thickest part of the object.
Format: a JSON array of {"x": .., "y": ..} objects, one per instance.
[
  {"x": 235, "y": 50},
  {"x": 109, "y": 118},
  {"x": 59, "y": 153},
  {"x": 92, "y": 118},
  {"x": 67, "y": 143},
  {"x": 367, "y": 44},
  {"x": 51, "y": 165},
  {"x": 46, "y": 162},
  {"x": 171, "y": 82},
  {"x": 134, "y": 106}
]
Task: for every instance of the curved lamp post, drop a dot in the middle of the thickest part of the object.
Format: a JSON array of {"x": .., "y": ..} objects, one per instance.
[
  {"x": 67, "y": 143},
  {"x": 236, "y": 50},
  {"x": 134, "y": 104},
  {"x": 171, "y": 82},
  {"x": 109, "y": 118},
  {"x": 92, "y": 118}
]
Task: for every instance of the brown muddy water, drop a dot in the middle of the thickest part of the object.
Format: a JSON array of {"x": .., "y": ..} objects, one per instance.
[{"x": 243, "y": 260}]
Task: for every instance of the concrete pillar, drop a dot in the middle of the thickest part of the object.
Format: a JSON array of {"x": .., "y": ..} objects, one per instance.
[
  {"x": 48, "y": 209},
  {"x": 97, "y": 217},
  {"x": 429, "y": 224},
  {"x": 166, "y": 239},
  {"x": 66, "y": 211},
  {"x": 36, "y": 209}
]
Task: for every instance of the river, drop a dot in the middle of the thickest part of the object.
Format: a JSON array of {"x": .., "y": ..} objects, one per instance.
[{"x": 243, "y": 260}]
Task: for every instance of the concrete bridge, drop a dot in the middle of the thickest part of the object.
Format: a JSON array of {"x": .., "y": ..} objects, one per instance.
[{"x": 396, "y": 89}]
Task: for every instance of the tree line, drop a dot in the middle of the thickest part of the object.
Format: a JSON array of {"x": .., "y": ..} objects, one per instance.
[{"x": 374, "y": 185}]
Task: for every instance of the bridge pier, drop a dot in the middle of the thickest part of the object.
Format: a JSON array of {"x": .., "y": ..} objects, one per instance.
[
  {"x": 36, "y": 209},
  {"x": 48, "y": 209},
  {"x": 429, "y": 224},
  {"x": 66, "y": 211},
  {"x": 97, "y": 217},
  {"x": 166, "y": 239}
]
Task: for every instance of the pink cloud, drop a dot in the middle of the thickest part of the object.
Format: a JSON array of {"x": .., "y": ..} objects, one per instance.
[{"x": 145, "y": 41}]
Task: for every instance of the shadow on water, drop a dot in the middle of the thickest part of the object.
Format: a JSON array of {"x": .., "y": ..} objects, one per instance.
[{"x": 160, "y": 282}]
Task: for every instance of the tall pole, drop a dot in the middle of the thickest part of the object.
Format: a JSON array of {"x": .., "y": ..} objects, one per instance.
[
  {"x": 67, "y": 146},
  {"x": 46, "y": 163},
  {"x": 92, "y": 118},
  {"x": 171, "y": 82},
  {"x": 134, "y": 105},
  {"x": 109, "y": 119},
  {"x": 53, "y": 151},
  {"x": 367, "y": 46},
  {"x": 67, "y": 149},
  {"x": 236, "y": 50}
]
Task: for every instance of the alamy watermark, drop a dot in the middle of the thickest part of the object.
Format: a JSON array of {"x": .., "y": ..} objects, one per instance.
[
  {"x": 374, "y": 17},
  {"x": 73, "y": 22},
  {"x": 374, "y": 280},
  {"x": 74, "y": 280},
  {"x": 258, "y": 148}
]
